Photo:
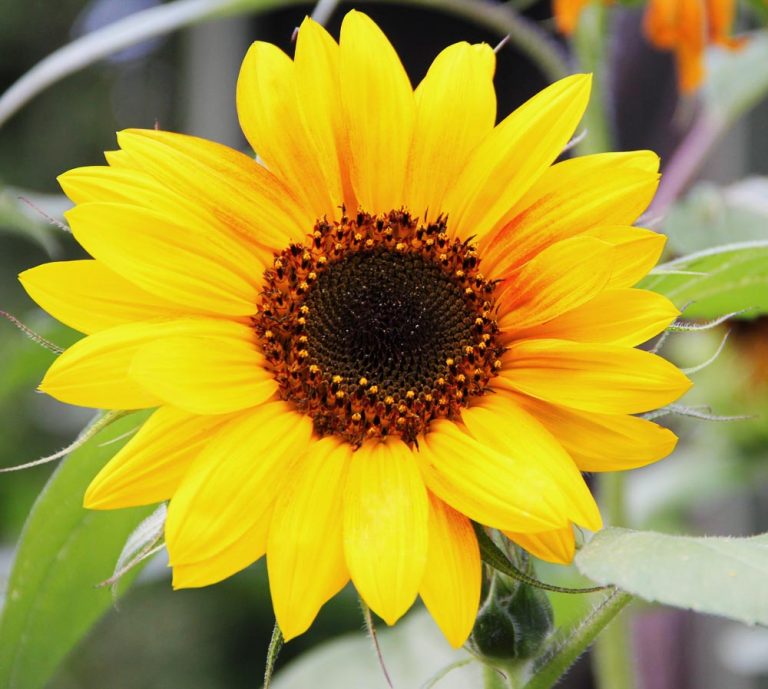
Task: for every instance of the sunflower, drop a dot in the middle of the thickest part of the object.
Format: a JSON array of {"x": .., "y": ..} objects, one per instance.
[{"x": 406, "y": 320}]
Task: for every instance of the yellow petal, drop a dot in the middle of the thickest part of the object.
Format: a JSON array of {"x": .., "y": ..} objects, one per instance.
[
  {"x": 94, "y": 371},
  {"x": 636, "y": 251},
  {"x": 603, "y": 378},
  {"x": 232, "y": 486},
  {"x": 118, "y": 184},
  {"x": 487, "y": 485},
  {"x": 249, "y": 202},
  {"x": 501, "y": 423},
  {"x": 316, "y": 68},
  {"x": 271, "y": 118},
  {"x": 515, "y": 155},
  {"x": 603, "y": 442},
  {"x": 560, "y": 278},
  {"x": 151, "y": 466},
  {"x": 212, "y": 370},
  {"x": 305, "y": 553},
  {"x": 570, "y": 198},
  {"x": 385, "y": 527},
  {"x": 451, "y": 585},
  {"x": 616, "y": 316},
  {"x": 164, "y": 258},
  {"x": 229, "y": 560},
  {"x": 379, "y": 110},
  {"x": 455, "y": 111},
  {"x": 556, "y": 546},
  {"x": 88, "y": 296}
]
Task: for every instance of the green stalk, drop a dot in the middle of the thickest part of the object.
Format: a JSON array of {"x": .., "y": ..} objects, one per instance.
[
  {"x": 556, "y": 661},
  {"x": 169, "y": 17},
  {"x": 612, "y": 656},
  {"x": 589, "y": 45},
  {"x": 493, "y": 679}
]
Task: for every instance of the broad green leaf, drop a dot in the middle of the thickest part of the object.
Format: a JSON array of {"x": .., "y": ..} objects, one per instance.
[
  {"x": 719, "y": 576},
  {"x": 736, "y": 79},
  {"x": 716, "y": 281},
  {"x": 711, "y": 215},
  {"x": 65, "y": 551},
  {"x": 414, "y": 652}
]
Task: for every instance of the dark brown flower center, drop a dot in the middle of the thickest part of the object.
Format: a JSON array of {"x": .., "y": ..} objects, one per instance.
[{"x": 378, "y": 325}]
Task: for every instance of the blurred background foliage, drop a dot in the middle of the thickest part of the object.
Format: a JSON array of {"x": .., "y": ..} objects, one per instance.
[{"x": 716, "y": 483}]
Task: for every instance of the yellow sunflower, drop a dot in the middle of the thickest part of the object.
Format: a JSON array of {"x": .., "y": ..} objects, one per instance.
[{"x": 406, "y": 319}]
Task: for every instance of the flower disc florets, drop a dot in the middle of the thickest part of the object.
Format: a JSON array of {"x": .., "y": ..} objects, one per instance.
[{"x": 378, "y": 325}]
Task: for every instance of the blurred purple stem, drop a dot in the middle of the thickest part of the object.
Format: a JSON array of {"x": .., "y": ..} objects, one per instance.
[{"x": 685, "y": 162}]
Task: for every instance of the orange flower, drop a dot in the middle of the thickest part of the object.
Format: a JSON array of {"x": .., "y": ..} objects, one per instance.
[
  {"x": 687, "y": 27},
  {"x": 567, "y": 14}
]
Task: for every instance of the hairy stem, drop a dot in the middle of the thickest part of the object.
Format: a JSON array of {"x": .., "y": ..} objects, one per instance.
[{"x": 556, "y": 661}]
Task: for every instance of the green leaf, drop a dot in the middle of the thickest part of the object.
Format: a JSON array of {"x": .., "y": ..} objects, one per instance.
[
  {"x": 711, "y": 216},
  {"x": 716, "y": 281},
  {"x": 65, "y": 551},
  {"x": 737, "y": 79},
  {"x": 719, "y": 576},
  {"x": 414, "y": 652}
]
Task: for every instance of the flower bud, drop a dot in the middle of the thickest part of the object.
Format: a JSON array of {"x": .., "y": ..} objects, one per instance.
[{"x": 513, "y": 621}]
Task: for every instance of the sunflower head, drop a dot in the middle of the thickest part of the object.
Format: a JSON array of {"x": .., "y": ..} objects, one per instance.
[{"x": 409, "y": 318}]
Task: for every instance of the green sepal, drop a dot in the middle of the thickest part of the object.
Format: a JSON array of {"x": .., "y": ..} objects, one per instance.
[{"x": 494, "y": 557}]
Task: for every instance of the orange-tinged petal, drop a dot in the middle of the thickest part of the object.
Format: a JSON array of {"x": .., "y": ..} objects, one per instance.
[
  {"x": 603, "y": 378},
  {"x": 151, "y": 466},
  {"x": 89, "y": 297},
  {"x": 249, "y": 202},
  {"x": 487, "y": 485},
  {"x": 603, "y": 442},
  {"x": 615, "y": 316},
  {"x": 451, "y": 585},
  {"x": 501, "y": 423},
  {"x": 164, "y": 258},
  {"x": 571, "y": 197},
  {"x": 270, "y": 115},
  {"x": 232, "y": 486},
  {"x": 379, "y": 109},
  {"x": 305, "y": 552},
  {"x": 385, "y": 527},
  {"x": 514, "y": 156},
  {"x": 455, "y": 111},
  {"x": 214, "y": 369},
  {"x": 316, "y": 69},
  {"x": 558, "y": 545},
  {"x": 560, "y": 278},
  {"x": 636, "y": 251}
]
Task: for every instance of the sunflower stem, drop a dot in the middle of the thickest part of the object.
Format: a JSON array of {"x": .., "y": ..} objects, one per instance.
[
  {"x": 612, "y": 657},
  {"x": 558, "y": 658},
  {"x": 493, "y": 678},
  {"x": 589, "y": 45},
  {"x": 275, "y": 645}
]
